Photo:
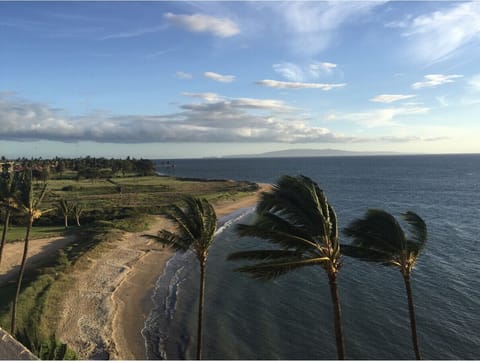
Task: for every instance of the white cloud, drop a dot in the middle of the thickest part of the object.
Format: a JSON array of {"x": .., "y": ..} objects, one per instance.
[
  {"x": 134, "y": 33},
  {"x": 299, "y": 85},
  {"x": 312, "y": 25},
  {"x": 382, "y": 117},
  {"x": 433, "y": 80},
  {"x": 390, "y": 98},
  {"x": 440, "y": 34},
  {"x": 301, "y": 73},
  {"x": 200, "y": 23},
  {"x": 183, "y": 75},
  {"x": 207, "y": 97},
  {"x": 325, "y": 66},
  {"x": 219, "y": 77},
  {"x": 290, "y": 71}
]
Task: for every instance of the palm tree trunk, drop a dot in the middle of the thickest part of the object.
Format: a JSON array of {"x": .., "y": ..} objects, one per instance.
[
  {"x": 20, "y": 278},
  {"x": 201, "y": 303},
  {"x": 337, "y": 316},
  {"x": 411, "y": 310},
  {"x": 6, "y": 223}
]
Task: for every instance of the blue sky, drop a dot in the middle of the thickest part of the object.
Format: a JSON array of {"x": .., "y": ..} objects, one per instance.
[{"x": 198, "y": 79}]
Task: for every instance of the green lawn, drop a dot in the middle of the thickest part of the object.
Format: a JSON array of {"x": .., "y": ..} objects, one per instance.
[{"x": 17, "y": 233}]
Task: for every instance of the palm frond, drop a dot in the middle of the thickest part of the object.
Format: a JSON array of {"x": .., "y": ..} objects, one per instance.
[
  {"x": 284, "y": 238},
  {"x": 377, "y": 230},
  {"x": 296, "y": 199},
  {"x": 369, "y": 255},
  {"x": 170, "y": 239},
  {"x": 271, "y": 270},
  {"x": 195, "y": 224},
  {"x": 417, "y": 237}
]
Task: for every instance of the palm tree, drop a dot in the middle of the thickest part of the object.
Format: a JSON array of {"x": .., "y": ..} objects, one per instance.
[
  {"x": 297, "y": 218},
  {"x": 29, "y": 202},
  {"x": 378, "y": 237},
  {"x": 195, "y": 224},
  {"x": 8, "y": 189},
  {"x": 64, "y": 208},
  {"x": 78, "y": 208}
]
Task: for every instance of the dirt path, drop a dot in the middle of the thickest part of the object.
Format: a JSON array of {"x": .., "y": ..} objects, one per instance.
[{"x": 39, "y": 249}]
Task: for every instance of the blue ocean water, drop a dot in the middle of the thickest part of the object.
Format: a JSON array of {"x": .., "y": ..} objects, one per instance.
[{"x": 291, "y": 317}]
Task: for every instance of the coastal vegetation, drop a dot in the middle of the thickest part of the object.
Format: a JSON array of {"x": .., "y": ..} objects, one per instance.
[{"x": 195, "y": 225}]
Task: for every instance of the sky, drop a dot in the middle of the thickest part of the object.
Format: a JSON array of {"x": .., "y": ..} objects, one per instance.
[{"x": 187, "y": 79}]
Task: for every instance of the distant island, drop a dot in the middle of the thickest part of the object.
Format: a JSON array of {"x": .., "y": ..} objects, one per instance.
[{"x": 305, "y": 152}]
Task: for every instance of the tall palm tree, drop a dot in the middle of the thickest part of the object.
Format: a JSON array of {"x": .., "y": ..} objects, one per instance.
[
  {"x": 378, "y": 237},
  {"x": 196, "y": 224},
  {"x": 8, "y": 190},
  {"x": 297, "y": 218},
  {"x": 29, "y": 202}
]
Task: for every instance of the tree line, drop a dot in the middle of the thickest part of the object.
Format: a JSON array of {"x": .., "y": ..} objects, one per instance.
[
  {"x": 84, "y": 167},
  {"x": 301, "y": 227}
]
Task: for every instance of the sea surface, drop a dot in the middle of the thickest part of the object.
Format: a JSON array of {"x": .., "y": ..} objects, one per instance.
[{"x": 291, "y": 317}]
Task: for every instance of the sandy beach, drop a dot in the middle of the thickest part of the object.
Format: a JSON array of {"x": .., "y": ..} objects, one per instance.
[{"x": 103, "y": 315}]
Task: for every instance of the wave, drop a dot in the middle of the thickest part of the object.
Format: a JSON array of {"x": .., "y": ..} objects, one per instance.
[{"x": 233, "y": 218}]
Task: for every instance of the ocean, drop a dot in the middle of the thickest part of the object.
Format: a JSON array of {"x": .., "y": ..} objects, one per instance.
[{"x": 290, "y": 318}]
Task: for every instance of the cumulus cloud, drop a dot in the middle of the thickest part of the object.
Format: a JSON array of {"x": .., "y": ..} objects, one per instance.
[
  {"x": 440, "y": 34},
  {"x": 200, "y": 23},
  {"x": 390, "y": 98},
  {"x": 219, "y": 77},
  {"x": 213, "y": 119},
  {"x": 434, "y": 80},
  {"x": 299, "y": 85}
]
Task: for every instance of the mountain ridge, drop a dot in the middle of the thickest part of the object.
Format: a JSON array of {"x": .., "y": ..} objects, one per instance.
[{"x": 307, "y": 152}]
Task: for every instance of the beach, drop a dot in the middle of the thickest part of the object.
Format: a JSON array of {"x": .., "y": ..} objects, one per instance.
[{"x": 106, "y": 308}]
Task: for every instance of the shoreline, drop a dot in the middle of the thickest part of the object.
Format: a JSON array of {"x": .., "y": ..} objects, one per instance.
[
  {"x": 131, "y": 300},
  {"x": 104, "y": 315}
]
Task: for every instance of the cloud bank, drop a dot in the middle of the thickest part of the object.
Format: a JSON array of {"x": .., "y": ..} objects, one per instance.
[{"x": 213, "y": 119}]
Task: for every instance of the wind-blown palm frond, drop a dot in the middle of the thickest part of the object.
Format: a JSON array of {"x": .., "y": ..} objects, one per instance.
[
  {"x": 418, "y": 234},
  {"x": 377, "y": 230},
  {"x": 378, "y": 237},
  {"x": 271, "y": 270},
  {"x": 300, "y": 201},
  {"x": 276, "y": 230},
  {"x": 296, "y": 218},
  {"x": 195, "y": 223}
]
